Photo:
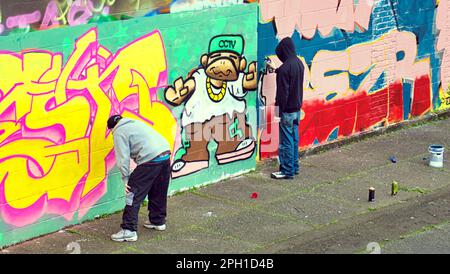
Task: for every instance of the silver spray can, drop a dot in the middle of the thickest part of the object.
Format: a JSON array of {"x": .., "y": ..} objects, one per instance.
[{"x": 129, "y": 198}]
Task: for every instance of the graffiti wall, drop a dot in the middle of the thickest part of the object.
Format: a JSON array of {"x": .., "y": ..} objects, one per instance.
[
  {"x": 368, "y": 64},
  {"x": 58, "y": 87},
  {"x": 33, "y": 15},
  {"x": 194, "y": 70}
]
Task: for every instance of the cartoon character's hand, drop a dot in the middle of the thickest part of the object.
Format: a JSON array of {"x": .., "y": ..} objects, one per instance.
[
  {"x": 180, "y": 91},
  {"x": 250, "y": 78}
]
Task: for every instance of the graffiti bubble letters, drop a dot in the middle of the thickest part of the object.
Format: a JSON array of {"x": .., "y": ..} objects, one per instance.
[
  {"x": 53, "y": 122},
  {"x": 332, "y": 104},
  {"x": 57, "y": 13},
  {"x": 308, "y": 16},
  {"x": 22, "y": 21}
]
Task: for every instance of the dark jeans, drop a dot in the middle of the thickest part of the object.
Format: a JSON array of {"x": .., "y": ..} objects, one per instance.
[
  {"x": 152, "y": 179},
  {"x": 289, "y": 141}
]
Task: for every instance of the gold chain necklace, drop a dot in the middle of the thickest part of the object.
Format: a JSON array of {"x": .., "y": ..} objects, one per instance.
[{"x": 215, "y": 97}]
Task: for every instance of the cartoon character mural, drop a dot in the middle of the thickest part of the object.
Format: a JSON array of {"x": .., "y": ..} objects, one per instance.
[{"x": 215, "y": 106}]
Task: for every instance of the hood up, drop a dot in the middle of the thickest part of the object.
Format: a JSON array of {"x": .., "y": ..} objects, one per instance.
[
  {"x": 286, "y": 49},
  {"x": 122, "y": 122}
]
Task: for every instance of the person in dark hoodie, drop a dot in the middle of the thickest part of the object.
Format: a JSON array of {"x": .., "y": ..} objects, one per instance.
[
  {"x": 151, "y": 152},
  {"x": 289, "y": 99}
]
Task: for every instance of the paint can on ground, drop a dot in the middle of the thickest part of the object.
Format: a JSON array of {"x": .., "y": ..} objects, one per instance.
[
  {"x": 436, "y": 155},
  {"x": 372, "y": 194},
  {"x": 394, "y": 188}
]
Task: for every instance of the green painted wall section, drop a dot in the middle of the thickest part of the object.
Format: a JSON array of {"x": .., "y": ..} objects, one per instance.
[{"x": 186, "y": 37}]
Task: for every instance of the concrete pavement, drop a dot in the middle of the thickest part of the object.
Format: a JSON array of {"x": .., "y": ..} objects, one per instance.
[
  {"x": 428, "y": 240},
  {"x": 328, "y": 201}
]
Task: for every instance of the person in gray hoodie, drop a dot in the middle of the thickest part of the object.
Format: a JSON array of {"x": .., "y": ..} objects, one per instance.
[{"x": 150, "y": 151}]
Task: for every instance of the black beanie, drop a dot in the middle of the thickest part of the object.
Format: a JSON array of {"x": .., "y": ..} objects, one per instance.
[{"x": 113, "y": 120}]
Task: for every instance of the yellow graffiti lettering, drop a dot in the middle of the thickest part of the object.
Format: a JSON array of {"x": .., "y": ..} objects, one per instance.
[{"x": 53, "y": 135}]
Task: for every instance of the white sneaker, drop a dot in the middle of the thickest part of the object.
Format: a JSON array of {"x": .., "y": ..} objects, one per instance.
[
  {"x": 125, "y": 235},
  {"x": 149, "y": 225},
  {"x": 280, "y": 176}
]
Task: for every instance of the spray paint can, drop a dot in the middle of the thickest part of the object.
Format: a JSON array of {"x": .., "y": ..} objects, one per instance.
[
  {"x": 269, "y": 66},
  {"x": 129, "y": 198},
  {"x": 394, "y": 188},
  {"x": 371, "y": 194}
]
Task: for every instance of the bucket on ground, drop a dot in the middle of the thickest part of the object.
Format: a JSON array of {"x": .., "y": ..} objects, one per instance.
[{"x": 436, "y": 155}]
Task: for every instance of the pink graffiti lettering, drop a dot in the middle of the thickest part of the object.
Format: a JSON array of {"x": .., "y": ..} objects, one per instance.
[
  {"x": 23, "y": 20},
  {"x": 60, "y": 13},
  {"x": 308, "y": 16},
  {"x": 51, "y": 13},
  {"x": 82, "y": 10}
]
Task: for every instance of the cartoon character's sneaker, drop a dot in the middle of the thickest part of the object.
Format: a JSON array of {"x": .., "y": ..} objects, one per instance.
[
  {"x": 243, "y": 151},
  {"x": 182, "y": 168}
]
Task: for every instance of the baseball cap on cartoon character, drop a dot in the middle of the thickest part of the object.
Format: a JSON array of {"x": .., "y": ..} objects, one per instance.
[{"x": 224, "y": 60}]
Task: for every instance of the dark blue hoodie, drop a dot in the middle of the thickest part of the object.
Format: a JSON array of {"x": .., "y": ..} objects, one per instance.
[{"x": 289, "y": 96}]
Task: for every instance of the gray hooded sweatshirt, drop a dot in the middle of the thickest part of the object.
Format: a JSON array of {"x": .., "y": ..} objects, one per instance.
[{"x": 137, "y": 140}]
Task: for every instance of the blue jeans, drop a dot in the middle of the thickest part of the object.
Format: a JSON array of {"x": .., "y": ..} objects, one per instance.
[{"x": 289, "y": 141}]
